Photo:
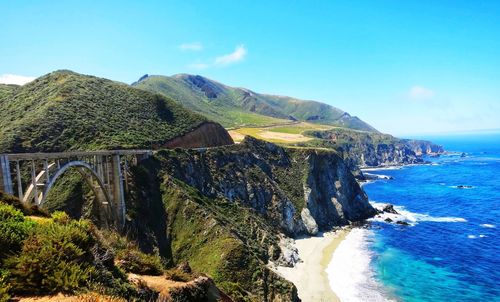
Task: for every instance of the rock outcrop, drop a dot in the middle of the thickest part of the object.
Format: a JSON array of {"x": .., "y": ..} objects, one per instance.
[
  {"x": 227, "y": 210},
  {"x": 300, "y": 191},
  {"x": 368, "y": 149},
  {"x": 208, "y": 134},
  {"x": 421, "y": 147}
]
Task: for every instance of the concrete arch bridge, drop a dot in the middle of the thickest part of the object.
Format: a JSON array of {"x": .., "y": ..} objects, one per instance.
[{"x": 106, "y": 172}]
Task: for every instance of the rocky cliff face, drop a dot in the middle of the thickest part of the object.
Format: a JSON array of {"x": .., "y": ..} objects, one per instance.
[
  {"x": 208, "y": 134},
  {"x": 421, "y": 147},
  {"x": 369, "y": 155},
  {"x": 301, "y": 191},
  {"x": 364, "y": 149},
  {"x": 225, "y": 210}
]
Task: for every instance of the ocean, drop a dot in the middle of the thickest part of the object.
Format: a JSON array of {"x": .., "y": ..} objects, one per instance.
[{"x": 450, "y": 251}]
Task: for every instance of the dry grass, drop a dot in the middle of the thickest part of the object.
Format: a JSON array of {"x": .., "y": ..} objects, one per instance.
[{"x": 283, "y": 134}]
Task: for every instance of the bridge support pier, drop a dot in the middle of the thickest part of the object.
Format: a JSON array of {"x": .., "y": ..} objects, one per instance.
[
  {"x": 118, "y": 193},
  {"x": 5, "y": 177}
]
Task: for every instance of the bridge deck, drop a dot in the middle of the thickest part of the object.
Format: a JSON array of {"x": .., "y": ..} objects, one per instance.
[{"x": 60, "y": 155}]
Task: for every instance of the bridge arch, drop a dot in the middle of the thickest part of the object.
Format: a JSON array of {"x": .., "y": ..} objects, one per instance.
[
  {"x": 83, "y": 168},
  {"x": 104, "y": 171}
]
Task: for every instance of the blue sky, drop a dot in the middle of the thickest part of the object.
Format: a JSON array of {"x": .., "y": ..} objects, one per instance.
[{"x": 406, "y": 67}]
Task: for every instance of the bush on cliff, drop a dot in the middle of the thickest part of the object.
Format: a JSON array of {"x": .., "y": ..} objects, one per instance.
[
  {"x": 56, "y": 257},
  {"x": 14, "y": 229},
  {"x": 58, "y": 254},
  {"x": 128, "y": 256}
]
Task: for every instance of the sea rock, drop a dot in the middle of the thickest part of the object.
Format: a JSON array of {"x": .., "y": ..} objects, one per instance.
[
  {"x": 388, "y": 220},
  {"x": 289, "y": 253},
  {"x": 402, "y": 222},
  {"x": 389, "y": 209},
  {"x": 309, "y": 222}
]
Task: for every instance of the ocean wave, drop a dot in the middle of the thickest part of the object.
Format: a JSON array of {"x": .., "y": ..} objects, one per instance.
[
  {"x": 382, "y": 168},
  {"x": 488, "y": 225},
  {"x": 349, "y": 272},
  {"x": 410, "y": 217},
  {"x": 476, "y": 236}
]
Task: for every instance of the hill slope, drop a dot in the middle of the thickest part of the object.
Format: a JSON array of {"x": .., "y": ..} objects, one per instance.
[
  {"x": 64, "y": 110},
  {"x": 7, "y": 89},
  {"x": 236, "y": 107}
]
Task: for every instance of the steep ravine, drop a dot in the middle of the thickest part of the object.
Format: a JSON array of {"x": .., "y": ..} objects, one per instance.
[{"x": 225, "y": 209}]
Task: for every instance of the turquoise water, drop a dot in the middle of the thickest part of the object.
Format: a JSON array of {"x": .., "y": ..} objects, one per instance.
[{"x": 451, "y": 252}]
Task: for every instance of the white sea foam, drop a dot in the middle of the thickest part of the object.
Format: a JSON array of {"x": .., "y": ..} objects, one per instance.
[
  {"x": 475, "y": 236},
  {"x": 350, "y": 274},
  {"x": 376, "y": 176},
  {"x": 487, "y": 225},
  {"x": 382, "y": 168},
  {"x": 409, "y": 217}
]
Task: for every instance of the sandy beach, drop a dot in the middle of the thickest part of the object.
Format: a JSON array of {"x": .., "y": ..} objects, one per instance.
[{"x": 309, "y": 275}]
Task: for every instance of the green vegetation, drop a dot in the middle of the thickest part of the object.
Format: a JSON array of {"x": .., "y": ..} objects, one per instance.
[
  {"x": 226, "y": 240},
  {"x": 59, "y": 254},
  {"x": 14, "y": 229},
  {"x": 56, "y": 257},
  {"x": 6, "y": 90},
  {"x": 239, "y": 107},
  {"x": 176, "y": 274},
  {"x": 68, "y": 111}
]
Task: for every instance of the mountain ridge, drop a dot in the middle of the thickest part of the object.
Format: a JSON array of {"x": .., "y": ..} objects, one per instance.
[
  {"x": 66, "y": 110},
  {"x": 238, "y": 106}
]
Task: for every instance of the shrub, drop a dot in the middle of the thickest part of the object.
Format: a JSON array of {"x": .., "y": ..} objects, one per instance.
[
  {"x": 175, "y": 274},
  {"x": 134, "y": 261},
  {"x": 60, "y": 217},
  {"x": 24, "y": 208},
  {"x": 14, "y": 229},
  {"x": 4, "y": 286},
  {"x": 54, "y": 258}
]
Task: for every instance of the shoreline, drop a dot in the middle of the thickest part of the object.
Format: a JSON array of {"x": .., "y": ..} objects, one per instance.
[{"x": 309, "y": 275}]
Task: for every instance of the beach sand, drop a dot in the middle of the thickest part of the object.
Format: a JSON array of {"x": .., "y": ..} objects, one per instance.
[{"x": 310, "y": 276}]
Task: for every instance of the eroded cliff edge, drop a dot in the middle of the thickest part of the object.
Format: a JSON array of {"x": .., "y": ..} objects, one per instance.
[
  {"x": 207, "y": 134},
  {"x": 225, "y": 209},
  {"x": 364, "y": 149},
  {"x": 289, "y": 187}
]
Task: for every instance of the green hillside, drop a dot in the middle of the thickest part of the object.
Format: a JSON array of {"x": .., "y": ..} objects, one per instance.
[
  {"x": 238, "y": 107},
  {"x": 6, "y": 89},
  {"x": 64, "y": 110}
]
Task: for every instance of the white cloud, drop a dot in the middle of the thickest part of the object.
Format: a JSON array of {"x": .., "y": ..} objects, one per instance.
[
  {"x": 15, "y": 79},
  {"x": 420, "y": 93},
  {"x": 194, "y": 46},
  {"x": 237, "y": 55}
]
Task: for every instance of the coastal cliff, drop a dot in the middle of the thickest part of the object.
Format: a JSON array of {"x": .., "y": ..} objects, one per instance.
[
  {"x": 364, "y": 149},
  {"x": 225, "y": 210},
  {"x": 301, "y": 191}
]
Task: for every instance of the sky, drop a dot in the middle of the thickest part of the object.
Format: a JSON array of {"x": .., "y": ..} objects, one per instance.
[{"x": 405, "y": 67}]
